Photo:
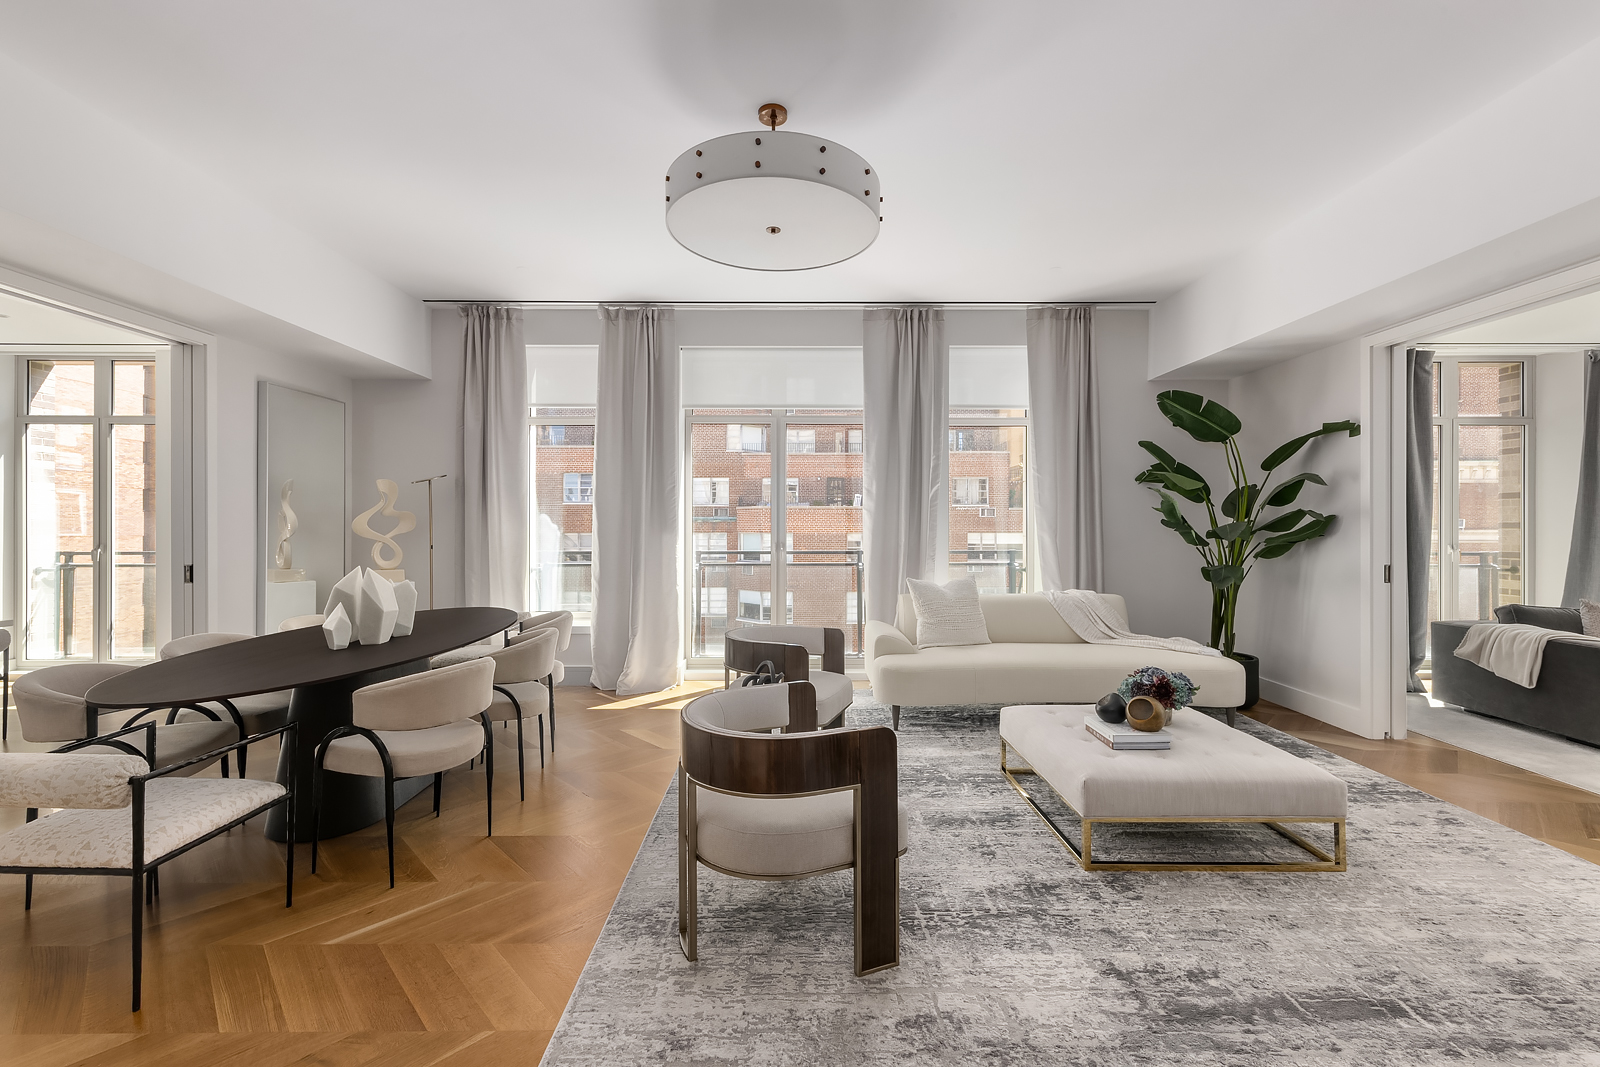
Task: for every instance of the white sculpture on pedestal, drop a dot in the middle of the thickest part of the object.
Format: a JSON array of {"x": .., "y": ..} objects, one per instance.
[
  {"x": 405, "y": 522},
  {"x": 376, "y": 610},
  {"x": 405, "y": 594},
  {"x": 283, "y": 558},
  {"x": 336, "y": 629}
]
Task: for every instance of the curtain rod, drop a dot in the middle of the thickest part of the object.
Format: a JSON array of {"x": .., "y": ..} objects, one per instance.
[{"x": 964, "y": 305}]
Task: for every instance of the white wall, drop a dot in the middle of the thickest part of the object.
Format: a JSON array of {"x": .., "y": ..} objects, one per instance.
[
  {"x": 1301, "y": 613},
  {"x": 1557, "y": 448},
  {"x": 233, "y": 368},
  {"x": 1146, "y": 563}
]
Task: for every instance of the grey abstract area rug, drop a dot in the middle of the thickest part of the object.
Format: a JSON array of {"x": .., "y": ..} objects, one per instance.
[{"x": 1451, "y": 940}]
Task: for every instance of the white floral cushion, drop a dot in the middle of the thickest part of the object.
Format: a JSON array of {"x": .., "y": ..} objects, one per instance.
[
  {"x": 177, "y": 811},
  {"x": 67, "y": 780}
]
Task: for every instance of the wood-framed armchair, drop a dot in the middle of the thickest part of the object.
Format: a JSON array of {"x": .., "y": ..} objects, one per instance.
[
  {"x": 790, "y": 805},
  {"x": 789, "y": 649}
]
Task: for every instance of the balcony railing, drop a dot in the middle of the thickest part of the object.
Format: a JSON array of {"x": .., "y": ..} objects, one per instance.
[
  {"x": 569, "y": 580},
  {"x": 997, "y": 570},
  {"x": 60, "y": 579},
  {"x": 809, "y": 572}
]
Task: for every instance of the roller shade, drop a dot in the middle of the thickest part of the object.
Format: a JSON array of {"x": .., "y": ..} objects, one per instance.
[
  {"x": 564, "y": 375},
  {"x": 988, "y": 376},
  {"x": 772, "y": 377}
]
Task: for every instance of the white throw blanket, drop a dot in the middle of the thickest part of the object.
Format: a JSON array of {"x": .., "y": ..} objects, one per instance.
[
  {"x": 1514, "y": 650},
  {"x": 1093, "y": 618}
]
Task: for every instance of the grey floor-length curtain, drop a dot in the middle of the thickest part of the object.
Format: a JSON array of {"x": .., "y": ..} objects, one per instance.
[
  {"x": 494, "y": 457},
  {"x": 637, "y": 502},
  {"x": 1063, "y": 410},
  {"x": 1583, "y": 559},
  {"x": 1419, "y": 503},
  {"x": 907, "y": 430}
]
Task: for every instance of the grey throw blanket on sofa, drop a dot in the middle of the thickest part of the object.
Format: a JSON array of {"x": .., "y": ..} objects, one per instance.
[
  {"x": 1514, "y": 650},
  {"x": 1092, "y": 618}
]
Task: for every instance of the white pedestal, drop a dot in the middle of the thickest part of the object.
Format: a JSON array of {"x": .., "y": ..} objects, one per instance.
[{"x": 285, "y": 600}]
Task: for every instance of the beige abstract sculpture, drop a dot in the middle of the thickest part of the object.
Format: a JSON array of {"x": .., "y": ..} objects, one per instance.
[
  {"x": 283, "y": 559},
  {"x": 405, "y": 522}
]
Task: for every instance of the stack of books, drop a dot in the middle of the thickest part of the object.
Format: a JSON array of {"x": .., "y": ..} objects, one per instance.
[{"x": 1122, "y": 737}]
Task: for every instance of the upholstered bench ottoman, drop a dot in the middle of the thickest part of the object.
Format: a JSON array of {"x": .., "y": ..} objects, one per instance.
[{"x": 1211, "y": 774}]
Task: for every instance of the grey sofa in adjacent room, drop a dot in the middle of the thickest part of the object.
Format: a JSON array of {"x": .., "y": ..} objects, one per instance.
[{"x": 1567, "y": 699}]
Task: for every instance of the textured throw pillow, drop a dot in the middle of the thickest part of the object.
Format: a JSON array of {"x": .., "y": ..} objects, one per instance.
[
  {"x": 1589, "y": 612},
  {"x": 948, "y": 614}
]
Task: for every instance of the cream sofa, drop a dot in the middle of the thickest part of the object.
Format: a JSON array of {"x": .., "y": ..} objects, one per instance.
[{"x": 1035, "y": 658}]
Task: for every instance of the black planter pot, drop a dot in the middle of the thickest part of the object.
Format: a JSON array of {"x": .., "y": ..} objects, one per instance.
[{"x": 1252, "y": 678}]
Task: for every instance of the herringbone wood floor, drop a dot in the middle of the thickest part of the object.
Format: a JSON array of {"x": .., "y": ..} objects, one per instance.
[{"x": 471, "y": 959}]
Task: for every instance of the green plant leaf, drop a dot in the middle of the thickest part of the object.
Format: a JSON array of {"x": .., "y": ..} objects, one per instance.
[
  {"x": 1202, "y": 419},
  {"x": 1173, "y": 519},
  {"x": 1236, "y": 505},
  {"x": 1315, "y": 528},
  {"x": 1286, "y": 493},
  {"x": 1272, "y": 551},
  {"x": 1283, "y": 523},
  {"x": 1284, "y": 451},
  {"x": 1187, "y": 488},
  {"x": 1165, "y": 462},
  {"x": 1223, "y": 576},
  {"x": 1232, "y": 531}
]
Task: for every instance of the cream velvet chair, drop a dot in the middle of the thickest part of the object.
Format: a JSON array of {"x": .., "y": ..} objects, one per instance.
[
  {"x": 789, "y": 649},
  {"x": 119, "y": 817},
  {"x": 252, "y": 714},
  {"x": 519, "y": 690},
  {"x": 51, "y": 707},
  {"x": 754, "y": 804},
  {"x": 561, "y": 622},
  {"x": 410, "y": 726}
]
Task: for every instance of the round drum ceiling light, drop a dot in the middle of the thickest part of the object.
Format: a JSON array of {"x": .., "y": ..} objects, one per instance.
[{"x": 767, "y": 200}]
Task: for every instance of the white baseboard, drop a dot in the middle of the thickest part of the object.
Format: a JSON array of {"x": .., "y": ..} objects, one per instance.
[
  {"x": 1332, "y": 712},
  {"x": 576, "y": 675}
]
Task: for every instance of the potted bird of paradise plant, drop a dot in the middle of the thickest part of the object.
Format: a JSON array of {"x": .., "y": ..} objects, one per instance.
[{"x": 1238, "y": 530}]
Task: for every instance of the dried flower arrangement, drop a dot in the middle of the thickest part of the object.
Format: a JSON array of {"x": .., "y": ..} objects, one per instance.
[{"x": 1170, "y": 689}]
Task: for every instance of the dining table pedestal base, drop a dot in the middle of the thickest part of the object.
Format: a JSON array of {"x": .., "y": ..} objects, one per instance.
[{"x": 350, "y": 802}]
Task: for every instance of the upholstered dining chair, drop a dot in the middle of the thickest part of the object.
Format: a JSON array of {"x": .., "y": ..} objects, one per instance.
[
  {"x": 299, "y": 622},
  {"x": 407, "y": 727},
  {"x": 519, "y": 690},
  {"x": 561, "y": 623},
  {"x": 253, "y": 714},
  {"x": 789, "y": 649},
  {"x": 51, "y": 707},
  {"x": 119, "y": 817},
  {"x": 755, "y": 804}
]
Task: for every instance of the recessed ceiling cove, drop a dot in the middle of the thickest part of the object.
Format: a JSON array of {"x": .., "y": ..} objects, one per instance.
[{"x": 771, "y": 200}]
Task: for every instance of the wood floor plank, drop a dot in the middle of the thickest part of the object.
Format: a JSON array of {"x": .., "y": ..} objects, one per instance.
[{"x": 246, "y": 995}]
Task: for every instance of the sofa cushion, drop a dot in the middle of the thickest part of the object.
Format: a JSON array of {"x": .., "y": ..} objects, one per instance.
[
  {"x": 1589, "y": 616},
  {"x": 1538, "y": 615},
  {"x": 1025, "y": 617},
  {"x": 1038, "y": 673},
  {"x": 948, "y": 614}
]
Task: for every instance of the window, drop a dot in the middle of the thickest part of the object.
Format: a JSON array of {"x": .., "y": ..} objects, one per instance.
[
  {"x": 709, "y": 491},
  {"x": 711, "y": 547},
  {"x": 969, "y": 492},
  {"x": 747, "y": 438},
  {"x": 88, "y": 478},
  {"x": 802, "y": 441},
  {"x": 756, "y": 606},
  {"x": 794, "y": 491},
  {"x": 577, "y": 488},
  {"x": 714, "y": 602}
]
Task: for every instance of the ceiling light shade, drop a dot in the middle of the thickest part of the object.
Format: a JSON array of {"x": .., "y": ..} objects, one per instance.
[{"x": 767, "y": 200}]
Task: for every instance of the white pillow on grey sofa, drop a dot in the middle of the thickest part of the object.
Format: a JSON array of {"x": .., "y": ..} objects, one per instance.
[{"x": 948, "y": 614}]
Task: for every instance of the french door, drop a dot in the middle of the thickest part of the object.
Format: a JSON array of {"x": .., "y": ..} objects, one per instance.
[
  {"x": 1483, "y": 437},
  {"x": 88, "y": 508}
]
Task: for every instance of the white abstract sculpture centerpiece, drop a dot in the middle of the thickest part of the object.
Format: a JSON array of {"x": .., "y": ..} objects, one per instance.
[
  {"x": 373, "y": 608},
  {"x": 405, "y": 522},
  {"x": 284, "y": 569},
  {"x": 336, "y": 628}
]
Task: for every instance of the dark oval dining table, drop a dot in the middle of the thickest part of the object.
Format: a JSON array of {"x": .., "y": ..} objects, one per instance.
[{"x": 322, "y": 680}]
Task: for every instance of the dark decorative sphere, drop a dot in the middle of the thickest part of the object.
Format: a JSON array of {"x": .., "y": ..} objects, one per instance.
[{"x": 1112, "y": 708}]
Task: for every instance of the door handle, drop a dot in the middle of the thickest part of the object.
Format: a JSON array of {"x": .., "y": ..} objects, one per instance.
[{"x": 98, "y": 552}]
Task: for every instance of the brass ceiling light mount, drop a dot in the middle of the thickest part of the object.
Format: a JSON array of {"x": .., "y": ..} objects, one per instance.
[{"x": 763, "y": 200}]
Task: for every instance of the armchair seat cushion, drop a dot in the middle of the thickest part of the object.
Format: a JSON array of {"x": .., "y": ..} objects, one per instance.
[
  {"x": 412, "y": 752},
  {"x": 181, "y": 741},
  {"x": 177, "y": 811},
  {"x": 262, "y": 712},
  {"x": 559, "y": 674},
  {"x": 533, "y": 697},
  {"x": 465, "y": 654},
  {"x": 779, "y": 836},
  {"x": 834, "y": 694}
]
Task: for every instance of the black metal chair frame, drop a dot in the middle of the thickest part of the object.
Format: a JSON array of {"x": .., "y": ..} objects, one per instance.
[
  {"x": 802, "y": 761},
  {"x": 388, "y": 784},
  {"x": 144, "y": 874},
  {"x": 516, "y": 706}
]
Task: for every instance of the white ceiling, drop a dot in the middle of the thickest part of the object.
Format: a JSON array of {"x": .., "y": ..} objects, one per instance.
[
  {"x": 28, "y": 322},
  {"x": 1574, "y": 321},
  {"x": 1059, "y": 149}
]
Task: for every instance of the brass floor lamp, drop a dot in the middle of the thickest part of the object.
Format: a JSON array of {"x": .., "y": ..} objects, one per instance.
[{"x": 430, "y": 482}]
